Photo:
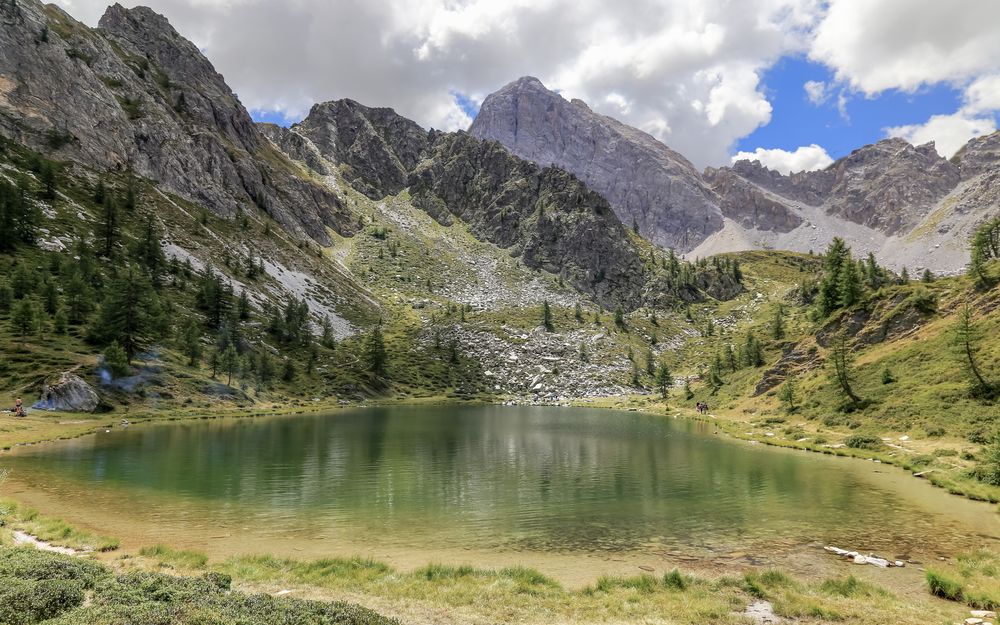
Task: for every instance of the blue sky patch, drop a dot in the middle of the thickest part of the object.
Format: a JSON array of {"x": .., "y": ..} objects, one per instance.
[{"x": 795, "y": 121}]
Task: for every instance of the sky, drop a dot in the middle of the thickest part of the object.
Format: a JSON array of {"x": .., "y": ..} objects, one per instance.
[{"x": 794, "y": 84}]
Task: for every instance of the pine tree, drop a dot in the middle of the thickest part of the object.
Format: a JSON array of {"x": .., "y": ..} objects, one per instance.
[
  {"x": 650, "y": 363},
  {"x": 243, "y": 306},
  {"x": 60, "y": 323},
  {"x": 663, "y": 380},
  {"x": 887, "y": 377},
  {"x": 288, "y": 370},
  {"x": 688, "y": 393},
  {"x": 99, "y": 192},
  {"x": 967, "y": 341},
  {"x": 148, "y": 251},
  {"x": 635, "y": 382},
  {"x": 265, "y": 370},
  {"x": 6, "y": 297},
  {"x": 840, "y": 356},
  {"x": 191, "y": 343},
  {"x": 24, "y": 318},
  {"x": 753, "y": 355},
  {"x": 547, "y": 317},
  {"x": 578, "y": 313},
  {"x": 927, "y": 276},
  {"x": 375, "y": 356},
  {"x": 848, "y": 286},
  {"x": 620, "y": 318},
  {"x": 79, "y": 299},
  {"x": 229, "y": 361},
  {"x": 48, "y": 179},
  {"x": 788, "y": 395},
  {"x": 778, "y": 323},
  {"x": 109, "y": 226},
  {"x": 904, "y": 276},
  {"x": 729, "y": 358},
  {"x": 128, "y": 313},
  {"x": 117, "y": 360},
  {"x": 19, "y": 216},
  {"x": 327, "y": 340},
  {"x": 50, "y": 297},
  {"x": 584, "y": 356}
]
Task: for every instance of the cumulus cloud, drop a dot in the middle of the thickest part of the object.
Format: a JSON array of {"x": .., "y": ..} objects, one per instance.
[
  {"x": 803, "y": 158},
  {"x": 948, "y": 132},
  {"x": 816, "y": 91},
  {"x": 687, "y": 71},
  {"x": 904, "y": 44}
]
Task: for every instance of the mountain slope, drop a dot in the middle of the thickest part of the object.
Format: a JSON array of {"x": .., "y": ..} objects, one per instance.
[
  {"x": 133, "y": 94},
  {"x": 904, "y": 203},
  {"x": 645, "y": 182}
]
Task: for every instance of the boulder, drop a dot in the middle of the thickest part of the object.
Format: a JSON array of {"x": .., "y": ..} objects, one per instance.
[{"x": 69, "y": 393}]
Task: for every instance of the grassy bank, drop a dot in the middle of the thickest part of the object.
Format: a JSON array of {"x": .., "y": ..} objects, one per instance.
[{"x": 161, "y": 585}]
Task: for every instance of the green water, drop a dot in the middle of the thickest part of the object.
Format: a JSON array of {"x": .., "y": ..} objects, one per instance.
[{"x": 520, "y": 479}]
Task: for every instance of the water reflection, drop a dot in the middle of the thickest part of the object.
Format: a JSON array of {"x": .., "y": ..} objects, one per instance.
[{"x": 496, "y": 477}]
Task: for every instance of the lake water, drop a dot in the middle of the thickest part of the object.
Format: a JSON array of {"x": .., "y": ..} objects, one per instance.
[{"x": 488, "y": 485}]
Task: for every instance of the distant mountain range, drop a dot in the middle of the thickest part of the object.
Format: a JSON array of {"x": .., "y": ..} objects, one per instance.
[
  {"x": 134, "y": 94},
  {"x": 907, "y": 204}
]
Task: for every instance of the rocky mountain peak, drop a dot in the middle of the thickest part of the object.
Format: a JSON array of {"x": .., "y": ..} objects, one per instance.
[{"x": 645, "y": 182}]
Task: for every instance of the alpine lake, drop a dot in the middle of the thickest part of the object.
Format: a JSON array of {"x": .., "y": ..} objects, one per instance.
[{"x": 573, "y": 492}]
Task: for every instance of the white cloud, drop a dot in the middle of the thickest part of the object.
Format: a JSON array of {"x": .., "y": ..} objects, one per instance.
[
  {"x": 948, "y": 132},
  {"x": 686, "y": 70},
  {"x": 816, "y": 91},
  {"x": 904, "y": 44},
  {"x": 983, "y": 94},
  {"x": 803, "y": 158}
]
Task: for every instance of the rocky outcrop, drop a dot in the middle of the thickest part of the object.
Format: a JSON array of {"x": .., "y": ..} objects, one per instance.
[
  {"x": 135, "y": 94},
  {"x": 67, "y": 392},
  {"x": 644, "y": 181},
  {"x": 376, "y": 147},
  {"x": 545, "y": 216},
  {"x": 296, "y": 147},
  {"x": 746, "y": 204}
]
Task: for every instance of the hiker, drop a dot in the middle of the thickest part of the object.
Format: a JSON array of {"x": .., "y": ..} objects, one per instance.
[{"x": 19, "y": 408}]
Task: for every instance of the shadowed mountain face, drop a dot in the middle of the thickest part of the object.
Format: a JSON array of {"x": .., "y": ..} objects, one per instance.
[
  {"x": 646, "y": 182},
  {"x": 135, "y": 94}
]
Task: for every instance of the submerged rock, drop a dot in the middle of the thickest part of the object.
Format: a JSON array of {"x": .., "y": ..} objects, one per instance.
[{"x": 69, "y": 393}]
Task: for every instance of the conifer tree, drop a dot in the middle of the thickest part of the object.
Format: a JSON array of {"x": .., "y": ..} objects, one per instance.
[
  {"x": 584, "y": 356},
  {"x": 663, "y": 380},
  {"x": 904, "y": 276},
  {"x": 578, "y": 313},
  {"x": 788, "y": 395},
  {"x": 840, "y": 357},
  {"x": 620, "y": 317},
  {"x": 547, "y": 317},
  {"x": 6, "y": 297},
  {"x": 778, "y": 323},
  {"x": 967, "y": 341},
  {"x": 650, "y": 363},
  {"x": 229, "y": 361},
  {"x": 753, "y": 355},
  {"x": 117, "y": 360},
  {"x": 849, "y": 285},
  {"x": 191, "y": 343},
  {"x": 128, "y": 313},
  {"x": 635, "y": 382},
  {"x": 109, "y": 226},
  {"x": 79, "y": 299},
  {"x": 50, "y": 297},
  {"x": 60, "y": 323},
  {"x": 927, "y": 277},
  {"x": 326, "y": 339},
  {"x": 375, "y": 356},
  {"x": 729, "y": 358},
  {"x": 688, "y": 393},
  {"x": 288, "y": 370},
  {"x": 24, "y": 318},
  {"x": 243, "y": 306},
  {"x": 887, "y": 377}
]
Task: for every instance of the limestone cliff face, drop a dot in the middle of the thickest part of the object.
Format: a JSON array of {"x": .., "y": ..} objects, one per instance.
[
  {"x": 644, "y": 181},
  {"x": 135, "y": 94}
]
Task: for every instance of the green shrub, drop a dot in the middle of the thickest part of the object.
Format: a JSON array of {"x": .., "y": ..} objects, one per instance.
[
  {"x": 675, "y": 580},
  {"x": 25, "y": 601},
  {"x": 27, "y": 563},
  {"x": 863, "y": 441},
  {"x": 851, "y": 586}
]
